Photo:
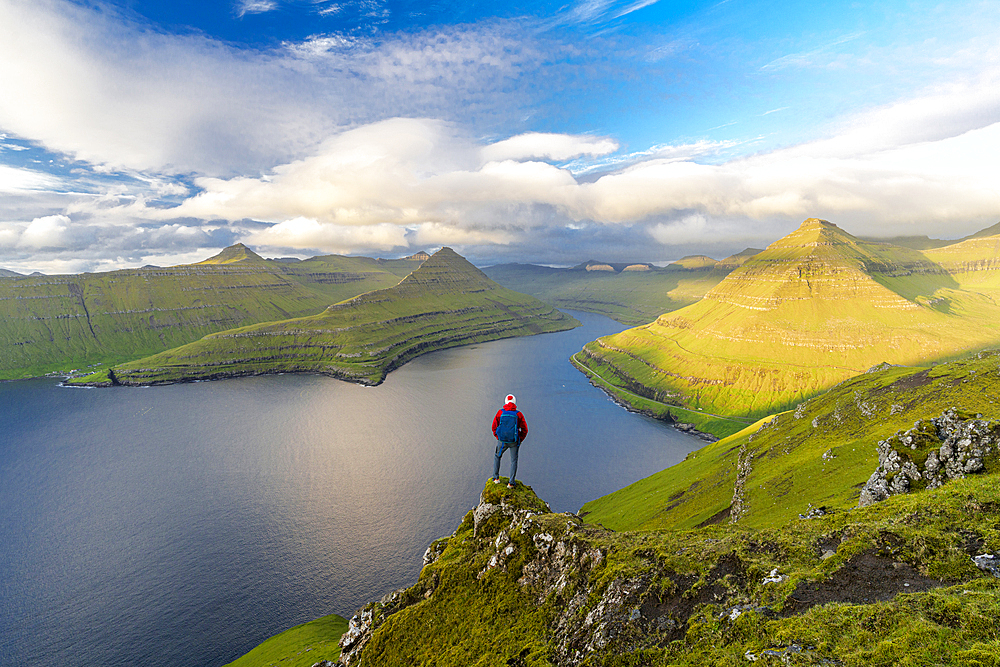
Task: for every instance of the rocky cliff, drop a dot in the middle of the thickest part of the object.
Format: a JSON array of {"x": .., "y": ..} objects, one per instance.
[
  {"x": 931, "y": 453},
  {"x": 516, "y": 584}
]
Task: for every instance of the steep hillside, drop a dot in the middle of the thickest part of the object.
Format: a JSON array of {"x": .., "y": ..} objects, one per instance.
[
  {"x": 818, "y": 455},
  {"x": 974, "y": 263},
  {"x": 891, "y": 584},
  {"x": 814, "y": 308},
  {"x": 62, "y": 322},
  {"x": 444, "y": 303}
]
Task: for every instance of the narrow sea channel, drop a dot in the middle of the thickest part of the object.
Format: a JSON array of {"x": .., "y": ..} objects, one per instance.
[{"x": 182, "y": 525}]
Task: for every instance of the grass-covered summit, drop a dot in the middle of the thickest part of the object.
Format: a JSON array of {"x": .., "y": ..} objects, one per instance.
[
  {"x": 444, "y": 303},
  {"x": 814, "y": 308},
  {"x": 234, "y": 253}
]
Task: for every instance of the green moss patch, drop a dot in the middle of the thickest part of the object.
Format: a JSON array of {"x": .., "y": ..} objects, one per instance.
[{"x": 301, "y": 646}]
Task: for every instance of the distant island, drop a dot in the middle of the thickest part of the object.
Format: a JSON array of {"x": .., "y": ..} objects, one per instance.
[{"x": 629, "y": 292}]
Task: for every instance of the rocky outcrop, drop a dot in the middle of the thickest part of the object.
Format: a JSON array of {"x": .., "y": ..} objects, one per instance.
[
  {"x": 517, "y": 584},
  {"x": 931, "y": 453}
]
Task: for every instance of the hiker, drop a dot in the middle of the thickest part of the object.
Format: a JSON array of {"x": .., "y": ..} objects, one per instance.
[{"x": 510, "y": 430}]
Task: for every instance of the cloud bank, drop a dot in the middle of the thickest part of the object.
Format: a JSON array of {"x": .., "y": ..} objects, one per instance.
[
  {"x": 398, "y": 177},
  {"x": 174, "y": 145}
]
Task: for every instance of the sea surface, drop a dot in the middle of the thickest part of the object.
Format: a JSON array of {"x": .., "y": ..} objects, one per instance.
[{"x": 182, "y": 525}]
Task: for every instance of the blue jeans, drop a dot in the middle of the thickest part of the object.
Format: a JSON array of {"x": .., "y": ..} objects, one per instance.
[{"x": 501, "y": 448}]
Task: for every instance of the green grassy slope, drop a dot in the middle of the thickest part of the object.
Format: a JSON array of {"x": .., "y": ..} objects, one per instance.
[
  {"x": 629, "y": 296},
  {"x": 813, "y": 309},
  {"x": 817, "y": 455},
  {"x": 301, "y": 646},
  {"x": 58, "y": 323},
  {"x": 973, "y": 263},
  {"x": 891, "y": 584},
  {"x": 446, "y": 302}
]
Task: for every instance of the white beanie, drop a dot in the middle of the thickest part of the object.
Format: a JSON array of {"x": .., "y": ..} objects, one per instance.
[{"x": 510, "y": 399}]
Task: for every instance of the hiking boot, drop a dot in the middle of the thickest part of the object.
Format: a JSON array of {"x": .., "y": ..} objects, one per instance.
[
  {"x": 496, "y": 480},
  {"x": 509, "y": 485}
]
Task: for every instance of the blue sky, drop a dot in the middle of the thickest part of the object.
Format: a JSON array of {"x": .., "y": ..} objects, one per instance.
[{"x": 136, "y": 132}]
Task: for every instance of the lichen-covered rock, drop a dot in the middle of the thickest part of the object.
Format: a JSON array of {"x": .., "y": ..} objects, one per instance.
[{"x": 931, "y": 453}]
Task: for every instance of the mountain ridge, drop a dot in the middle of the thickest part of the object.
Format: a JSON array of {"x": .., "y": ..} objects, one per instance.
[
  {"x": 57, "y": 323},
  {"x": 445, "y": 302},
  {"x": 812, "y": 309}
]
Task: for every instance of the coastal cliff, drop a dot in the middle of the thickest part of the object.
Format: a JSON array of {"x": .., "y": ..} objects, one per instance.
[{"x": 517, "y": 584}]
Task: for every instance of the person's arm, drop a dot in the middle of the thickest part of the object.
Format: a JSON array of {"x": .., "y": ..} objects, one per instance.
[
  {"x": 496, "y": 422},
  {"x": 522, "y": 427}
]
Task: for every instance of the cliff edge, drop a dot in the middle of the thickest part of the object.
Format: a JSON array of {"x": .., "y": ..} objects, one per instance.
[{"x": 516, "y": 584}]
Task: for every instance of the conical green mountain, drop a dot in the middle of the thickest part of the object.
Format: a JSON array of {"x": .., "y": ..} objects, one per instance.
[
  {"x": 444, "y": 303},
  {"x": 811, "y": 310},
  {"x": 234, "y": 253}
]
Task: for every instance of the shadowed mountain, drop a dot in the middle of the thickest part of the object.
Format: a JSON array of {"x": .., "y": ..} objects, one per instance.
[
  {"x": 444, "y": 303},
  {"x": 739, "y": 259},
  {"x": 813, "y": 309},
  {"x": 63, "y": 322},
  {"x": 4, "y": 273}
]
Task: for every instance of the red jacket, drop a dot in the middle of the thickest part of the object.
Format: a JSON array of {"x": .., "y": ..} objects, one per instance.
[{"x": 522, "y": 426}]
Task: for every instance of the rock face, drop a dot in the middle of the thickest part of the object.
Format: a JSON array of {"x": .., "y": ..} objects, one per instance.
[
  {"x": 527, "y": 587},
  {"x": 559, "y": 564},
  {"x": 931, "y": 453},
  {"x": 562, "y": 557}
]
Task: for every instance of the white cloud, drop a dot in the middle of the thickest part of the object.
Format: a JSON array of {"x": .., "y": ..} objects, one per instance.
[
  {"x": 429, "y": 177},
  {"x": 255, "y": 6},
  {"x": 14, "y": 179},
  {"x": 808, "y": 58},
  {"x": 91, "y": 85},
  {"x": 50, "y": 231},
  {"x": 942, "y": 112},
  {"x": 309, "y": 233},
  {"x": 689, "y": 229},
  {"x": 548, "y": 146},
  {"x": 292, "y": 138}
]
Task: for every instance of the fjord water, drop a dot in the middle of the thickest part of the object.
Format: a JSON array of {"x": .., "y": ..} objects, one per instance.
[{"x": 182, "y": 525}]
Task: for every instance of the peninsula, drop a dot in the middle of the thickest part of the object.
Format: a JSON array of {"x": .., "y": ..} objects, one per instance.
[{"x": 444, "y": 303}]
